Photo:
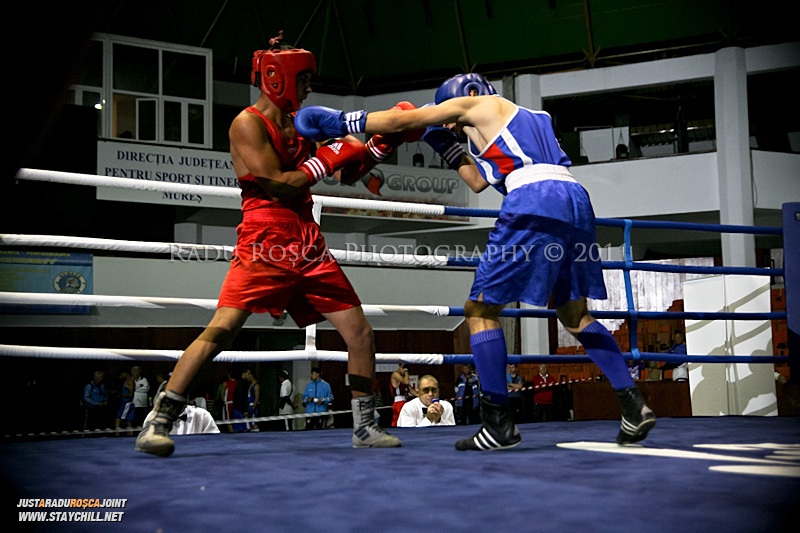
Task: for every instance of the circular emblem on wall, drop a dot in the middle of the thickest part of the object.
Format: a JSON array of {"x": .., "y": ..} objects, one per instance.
[{"x": 70, "y": 283}]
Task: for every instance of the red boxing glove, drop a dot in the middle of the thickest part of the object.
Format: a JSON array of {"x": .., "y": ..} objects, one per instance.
[
  {"x": 331, "y": 158},
  {"x": 381, "y": 146},
  {"x": 411, "y": 135},
  {"x": 376, "y": 150}
]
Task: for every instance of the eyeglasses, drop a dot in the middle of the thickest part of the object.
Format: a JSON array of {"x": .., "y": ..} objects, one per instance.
[{"x": 429, "y": 390}]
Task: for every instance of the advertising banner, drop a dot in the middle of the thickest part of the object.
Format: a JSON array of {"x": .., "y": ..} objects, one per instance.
[
  {"x": 202, "y": 167},
  {"x": 45, "y": 272}
]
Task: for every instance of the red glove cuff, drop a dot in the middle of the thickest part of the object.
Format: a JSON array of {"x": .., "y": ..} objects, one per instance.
[
  {"x": 379, "y": 148},
  {"x": 315, "y": 169}
]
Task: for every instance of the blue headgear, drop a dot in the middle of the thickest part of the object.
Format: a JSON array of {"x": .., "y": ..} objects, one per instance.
[{"x": 461, "y": 85}]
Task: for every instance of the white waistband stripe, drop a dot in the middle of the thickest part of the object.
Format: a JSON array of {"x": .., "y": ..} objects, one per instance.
[{"x": 536, "y": 173}]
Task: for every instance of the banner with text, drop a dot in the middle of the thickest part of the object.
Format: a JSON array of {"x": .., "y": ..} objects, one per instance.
[
  {"x": 204, "y": 167},
  {"x": 45, "y": 272},
  {"x": 168, "y": 165}
]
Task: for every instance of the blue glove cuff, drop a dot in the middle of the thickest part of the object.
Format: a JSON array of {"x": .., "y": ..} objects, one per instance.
[{"x": 354, "y": 121}]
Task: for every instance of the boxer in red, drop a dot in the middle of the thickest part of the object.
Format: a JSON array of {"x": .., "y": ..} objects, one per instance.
[{"x": 281, "y": 261}]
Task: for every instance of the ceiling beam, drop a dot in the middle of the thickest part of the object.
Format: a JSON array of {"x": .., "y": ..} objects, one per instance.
[
  {"x": 462, "y": 35},
  {"x": 214, "y": 23},
  {"x": 346, "y": 51},
  {"x": 591, "y": 53},
  {"x": 325, "y": 31},
  {"x": 308, "y": 23}
]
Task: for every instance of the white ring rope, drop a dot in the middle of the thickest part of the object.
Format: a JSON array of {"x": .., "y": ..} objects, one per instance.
[
  {"x": 62, "y": 241},
  {"x": 126, "y": 354},
  {"x": 70, "y": 178},
  {"x": 196, "y": 251},
  {"x": 159, "y": 302},
  {"x": 350, "y": 256},
  {"x": 141, "y": 302}
]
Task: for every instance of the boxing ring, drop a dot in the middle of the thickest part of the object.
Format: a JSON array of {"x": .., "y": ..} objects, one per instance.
[{"x": 736, "y": 473}]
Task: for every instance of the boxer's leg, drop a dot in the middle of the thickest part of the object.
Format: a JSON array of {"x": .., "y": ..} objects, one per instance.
[
  {"x": 154, "y": 437},
  {"x": 352, "y": 325},
  {"x": 491, "y": 357},
  {"x": 637, "y": 418}
]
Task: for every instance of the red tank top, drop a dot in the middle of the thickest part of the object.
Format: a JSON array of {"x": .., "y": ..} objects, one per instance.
[
  {"x": 400, "y": 390},
  {"x": 291, "y": 154}
]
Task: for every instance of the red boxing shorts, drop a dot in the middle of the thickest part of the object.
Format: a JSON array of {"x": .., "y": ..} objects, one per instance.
[
  {"x": 282, "y": 263},
  {"x": 396, "y": 408}
]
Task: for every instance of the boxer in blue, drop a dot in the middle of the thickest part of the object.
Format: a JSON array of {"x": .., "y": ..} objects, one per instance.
[{"x": 543, "y": 243}]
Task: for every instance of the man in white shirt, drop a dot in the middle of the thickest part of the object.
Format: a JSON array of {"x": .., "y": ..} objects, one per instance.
[
  {"x": 285, "y": 404},
  {"x": 140, "y": 396},
  {"x": 426, "y": 409},
  {"x": 192, "y": 420}
]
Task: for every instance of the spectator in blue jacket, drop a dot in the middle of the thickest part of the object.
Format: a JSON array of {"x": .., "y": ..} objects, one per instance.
[
  {"x": 95, "y": 400},
  {"x": 316, "y": 397},
  {"x": 515, "y": 383},
  {"x": 468, "y": 396}
]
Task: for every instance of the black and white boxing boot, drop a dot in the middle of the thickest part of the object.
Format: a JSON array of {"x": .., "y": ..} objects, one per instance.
[
  {"x": 498, "y": 431},
  {"x": 154, "y": 437},
  {"x": 366, "y": 433},
  {"x": 637, "y": 418}
]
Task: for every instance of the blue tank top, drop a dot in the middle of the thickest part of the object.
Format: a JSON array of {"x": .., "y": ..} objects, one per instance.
[{"x": 527, "y": 139}]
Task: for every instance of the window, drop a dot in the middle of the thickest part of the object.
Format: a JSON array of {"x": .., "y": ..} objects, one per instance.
[
  {"x": 88, "y": 90},
  {"x": 774, "y": 124},
  {"x": 638, "y": 122},
  {"x": 148, "y": 91}
]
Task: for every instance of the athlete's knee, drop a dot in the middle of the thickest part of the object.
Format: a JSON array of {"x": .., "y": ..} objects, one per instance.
[
  {"x": 360, "y": 335},
  {"x": 481, "y": 310},
  {"x": 574, "y": 316},
  {"x": 221, "y": 336},
  {"x": 366, "y": 334}
]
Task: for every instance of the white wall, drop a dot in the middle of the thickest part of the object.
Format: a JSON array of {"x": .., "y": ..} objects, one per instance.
[
  {"x": 776, "y": 178},
  {"x": 658, "y": 186},
  {"x": 653, "y": 73}
]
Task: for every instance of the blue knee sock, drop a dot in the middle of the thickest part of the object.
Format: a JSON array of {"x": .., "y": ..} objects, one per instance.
[
  {"x": 605, "y": 352},
  {"x": 491, "y": 358}
]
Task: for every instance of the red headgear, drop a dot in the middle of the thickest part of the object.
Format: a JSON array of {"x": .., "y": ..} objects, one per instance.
[{"x": 275, "y": 73}]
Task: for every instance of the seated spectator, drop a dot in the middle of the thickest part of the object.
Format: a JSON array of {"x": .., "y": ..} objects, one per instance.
[
  {"x": 426, "y": 409},
  {"x": 635, "y": 368},
  {"x": 680, "y": 371}
]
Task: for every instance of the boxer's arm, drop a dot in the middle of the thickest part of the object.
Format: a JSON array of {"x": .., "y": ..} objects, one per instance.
[
  {"x": 335, "y": 156},
  {"x": 396, "y": 120},
  {"x": 251, "y": 145},
  {"x": 317, "y": 123},
  {"x": 471, "y": 176}
]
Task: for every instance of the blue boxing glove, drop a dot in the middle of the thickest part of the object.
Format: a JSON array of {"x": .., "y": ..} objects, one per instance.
[
  {"x": 445, "y": 143},
  {"x": 317, "y": 123}
]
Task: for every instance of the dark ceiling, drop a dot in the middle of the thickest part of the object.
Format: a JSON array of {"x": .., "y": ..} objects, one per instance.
[
  {"x": 370, "y": 47},
  {"x": 378, "y": 46}
]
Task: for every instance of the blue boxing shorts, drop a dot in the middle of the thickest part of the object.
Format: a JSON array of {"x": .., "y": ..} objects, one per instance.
[
  {"x": 544, "y": 243},
  {"x": 126, "y": 410}
]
